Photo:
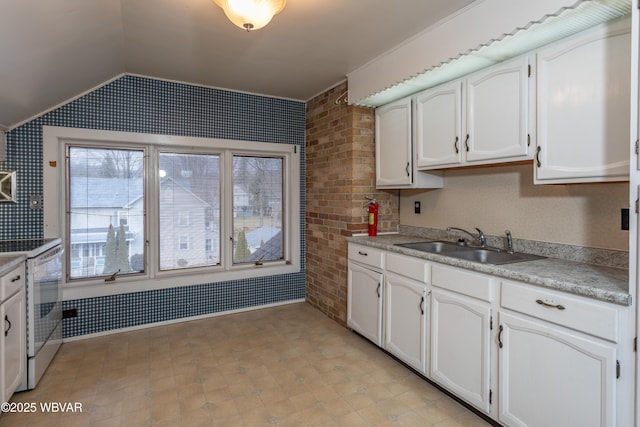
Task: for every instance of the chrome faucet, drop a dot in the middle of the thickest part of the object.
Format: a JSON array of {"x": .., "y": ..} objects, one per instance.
[
  {"x": 480, "y": 238},
  {"x": 509, "y": 241}
]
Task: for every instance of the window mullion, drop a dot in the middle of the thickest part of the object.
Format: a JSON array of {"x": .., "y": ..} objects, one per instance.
[
  {"x": 226, "y": 234},
  {"x": 152, "y": 209}
]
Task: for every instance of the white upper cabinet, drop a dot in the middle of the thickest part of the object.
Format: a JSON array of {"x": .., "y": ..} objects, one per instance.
[
  {"x": 583, "y": 107},
  {"x": 498, "y": 108},
  {"x": 483, "y": 118},
  {"x": 438, "y": 117},
  {"x": 393, "y": 144},
  {"x": 395, "y": 167}
]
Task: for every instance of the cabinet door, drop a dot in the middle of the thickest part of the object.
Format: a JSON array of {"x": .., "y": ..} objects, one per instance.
[
  {"x": 552, "y": 378},
  {"x": 405, "y": 313},
  {"x": 584, "y": 109},
  {"x": 393, "y": 144},
  {"x": 14, "y": 353},
  {"x": 439, "y": 125},
  {"x": 460, "y": 350},
  {"x": 364, "y": 308},
  {"x": 498, "y": 113}
]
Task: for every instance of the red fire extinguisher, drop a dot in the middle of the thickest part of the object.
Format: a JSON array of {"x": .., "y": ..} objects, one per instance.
[{"x": 373, "y": 216}]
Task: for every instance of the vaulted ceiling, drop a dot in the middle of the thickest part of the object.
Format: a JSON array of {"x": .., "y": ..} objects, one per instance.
[{"x": 53, "y": 50}]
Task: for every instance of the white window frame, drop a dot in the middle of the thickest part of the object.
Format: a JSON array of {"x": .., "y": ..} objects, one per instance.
[{"x": 55, "y": 139}]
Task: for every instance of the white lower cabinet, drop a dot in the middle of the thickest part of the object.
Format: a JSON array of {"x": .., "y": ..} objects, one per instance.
[
  {"x": 461, "y": 333},
  {"x": 13, "y": 346},
  {"x": 557, "y": 358},
  {"x": 365, "y": 284},
  {"x": 365, "y": 302},
  {"x": 405, "y": 312},
  {"x": 522, "y": 354},
  {"x": 550, "y": 377},
  {"x": 406, "y": 309},
  {"x": 460, "y": 346}
]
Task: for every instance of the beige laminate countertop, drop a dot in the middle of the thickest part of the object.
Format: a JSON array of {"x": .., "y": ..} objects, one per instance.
[
  {"x": 9, "y": 262},
  {"x": 602, "y": 283}
]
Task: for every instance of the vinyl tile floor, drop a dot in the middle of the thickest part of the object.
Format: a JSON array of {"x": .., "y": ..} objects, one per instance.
[{"x": 283, "y": 366}]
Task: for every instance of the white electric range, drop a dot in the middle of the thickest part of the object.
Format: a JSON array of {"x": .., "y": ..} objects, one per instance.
[{"x": 44, "y": 302}]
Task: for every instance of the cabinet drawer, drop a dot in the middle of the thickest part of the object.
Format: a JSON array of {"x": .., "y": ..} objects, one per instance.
[
  {"x": 413, "y": 268},
  {"x": 11, "y": 282},
  {"x": 366, "y": 255},
  {"x": 473, "y": 284},
  {"x": 597, "y": 319}
]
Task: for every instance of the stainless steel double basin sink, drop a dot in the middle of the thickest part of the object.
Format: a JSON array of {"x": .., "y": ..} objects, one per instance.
[{"x": 470, "y": 253}]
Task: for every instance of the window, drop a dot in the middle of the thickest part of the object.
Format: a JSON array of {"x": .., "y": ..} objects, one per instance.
[
  {"x": 189, "y": 203},
  {"x": 123, "y": 218},
  {"x": 183, "y": 245},
  {"x": 166, "y": 211},
  {"x": 104, "y": 183},
  {"x": 257, "y": 209},
  {"x": 183, "y": 219}
]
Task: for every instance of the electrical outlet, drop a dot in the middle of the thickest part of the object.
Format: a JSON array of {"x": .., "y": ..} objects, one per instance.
[
  {"x": 35, "y": 202},
  {"x": 69, "y": 313},
  {"x": 624, "y": 222},
  {"x": 416, "y": 207}
]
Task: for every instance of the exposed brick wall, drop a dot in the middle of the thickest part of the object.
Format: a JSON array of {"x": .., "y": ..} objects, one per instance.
[{"x": 340, "y": 159}]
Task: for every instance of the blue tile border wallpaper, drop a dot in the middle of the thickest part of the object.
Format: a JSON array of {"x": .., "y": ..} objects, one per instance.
[
  {"x": 145, "y": 105},
  {"x": 114, "y": 311}
]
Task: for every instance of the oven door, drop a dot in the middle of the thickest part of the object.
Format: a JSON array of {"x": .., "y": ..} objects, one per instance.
[{"x": 45, "y": 287}]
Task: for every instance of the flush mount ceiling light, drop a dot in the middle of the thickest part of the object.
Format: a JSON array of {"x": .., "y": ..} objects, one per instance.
[{"x": 251, "y": 14}]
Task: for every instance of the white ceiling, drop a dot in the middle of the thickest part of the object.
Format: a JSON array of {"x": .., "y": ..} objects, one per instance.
[{"x": 53, "y": 50}]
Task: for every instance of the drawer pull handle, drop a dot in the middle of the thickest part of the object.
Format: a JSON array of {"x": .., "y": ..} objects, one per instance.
[
  {"x": 6, "y": 331},
  {"x": 378, "y": 290},
  {"x": 455, "y": 145},
  {"x": 558, "y": 306},
  {"x": 500, "y": 328},
  {"x": 363, "y": 253},
  {"x": 421, "y": 306},
  {"x": 15, "y": 279}
]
